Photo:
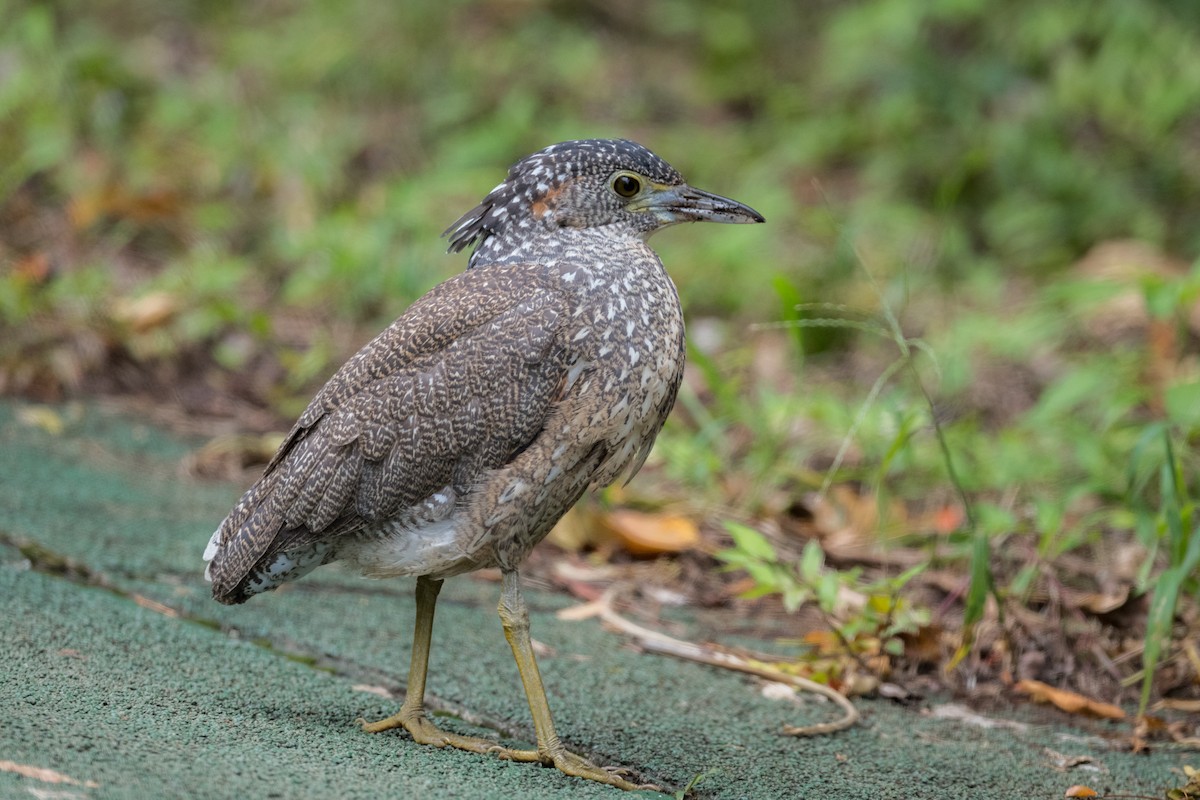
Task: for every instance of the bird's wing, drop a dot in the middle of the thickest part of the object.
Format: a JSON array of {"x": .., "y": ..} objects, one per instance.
[{"x": 457, "y": 385}]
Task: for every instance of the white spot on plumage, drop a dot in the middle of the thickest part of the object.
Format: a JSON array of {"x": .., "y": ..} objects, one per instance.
[
  {"x": 513, "y": 490},
  {"x": 210, "y": 552},
  {"x": 214, "y": 544},
  {"x": 575, "y": 371}
]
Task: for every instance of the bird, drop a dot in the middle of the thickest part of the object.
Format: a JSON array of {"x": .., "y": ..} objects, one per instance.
[{"x": 456, "y": 438}]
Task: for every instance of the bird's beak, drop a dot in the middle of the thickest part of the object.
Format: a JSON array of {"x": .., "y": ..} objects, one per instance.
[{"x": 682, "y": 203}]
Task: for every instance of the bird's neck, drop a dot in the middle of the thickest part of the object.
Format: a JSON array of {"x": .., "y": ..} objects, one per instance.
[{"x": 539, "y": 244}]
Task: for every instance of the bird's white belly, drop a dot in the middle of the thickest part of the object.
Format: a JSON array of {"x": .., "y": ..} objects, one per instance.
[{"x": 393, "y": 549}]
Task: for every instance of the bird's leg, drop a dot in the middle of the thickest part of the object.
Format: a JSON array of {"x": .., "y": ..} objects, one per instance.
[
  {"x": 411, "y": 715},
  {"x": 514, "y": 616}
]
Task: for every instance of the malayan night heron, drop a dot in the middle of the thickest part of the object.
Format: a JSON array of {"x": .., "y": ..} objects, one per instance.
[{"x": 458, "y": 437}]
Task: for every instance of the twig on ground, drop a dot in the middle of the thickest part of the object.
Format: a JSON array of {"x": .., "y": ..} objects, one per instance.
[{"x": 657, "y": 642}]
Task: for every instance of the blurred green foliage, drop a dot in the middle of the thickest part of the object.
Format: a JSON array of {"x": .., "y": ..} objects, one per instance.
[{"x": 327, "y": 143}]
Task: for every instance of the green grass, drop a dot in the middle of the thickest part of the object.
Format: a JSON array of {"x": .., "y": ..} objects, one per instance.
[{"x": 276, "y": 176}]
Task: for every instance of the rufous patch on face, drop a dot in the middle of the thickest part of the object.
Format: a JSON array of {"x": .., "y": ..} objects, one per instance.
[{"x": 547, "y": 202}]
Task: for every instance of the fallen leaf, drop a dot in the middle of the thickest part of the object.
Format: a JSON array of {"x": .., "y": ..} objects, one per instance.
[
  {"x": 824, "y": 641},
  {"x": 147, "y": 312},
  {"x": 926, "y": 645},
  {"x": 851, "y": 527},
  {"x": 1071, "y": 702},
  {"x": 1125, "y": 264},
  {"x": 968, "y": 717},
  {"x": 43, "y": 774},
  {"x": 1191, "y": 791},
  {"x": 574, "y": 531},
  {"x": 645, "y": 534},
  {"x": 1081, "y": 791},
  {"x": 33, "y": 269},
  {"x": 1062, "y": 762},
  {"x": 773, "y": 690},
  {"x": 119, "y": 202},
  {"x": 1101, "y": 602},
  {"x": 1149, "y": 728},
  {"x": 892, "y": 691},
  {"x": 154, "y": 605},
  {"x": 947, "y": 519},
  {"x": 42, "y": 417}
]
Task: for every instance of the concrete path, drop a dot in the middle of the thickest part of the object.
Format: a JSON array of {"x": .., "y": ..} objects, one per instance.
[{"x": 120, "y": 678}]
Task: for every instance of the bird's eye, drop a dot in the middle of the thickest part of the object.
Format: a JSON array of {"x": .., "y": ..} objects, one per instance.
[{"x": 626, "y": 185}]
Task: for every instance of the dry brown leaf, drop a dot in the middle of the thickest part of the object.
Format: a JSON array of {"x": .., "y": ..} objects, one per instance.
[
  {"x": 927, "y": 645},
  {"x": 1081, "y": 791},
  {"x": 645, "y": 534},
  {"x": 849, "y": 523},
  {"x": 1101, "y": 602},
  {"x": 32, "y": 269},
  {"x": 1151, "y": 728},
  {"x": 147, "y": 312},
  {"x": 1071, "y": 702},
  {"x": 1124, "y": 264},
  {"x": 574, "y": 531},
  {"x": 118, "y": 202},
  {"x": 947, "y": 519},
  {"x": 823, "y": 641}
]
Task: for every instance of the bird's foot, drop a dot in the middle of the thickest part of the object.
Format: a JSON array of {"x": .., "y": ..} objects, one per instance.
[
  {"x": 578, "y": 766},
  {"x": 423, "y": 731}
]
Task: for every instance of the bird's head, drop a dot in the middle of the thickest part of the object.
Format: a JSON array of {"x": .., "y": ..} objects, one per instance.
[{"x": 589, "y": 183}]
